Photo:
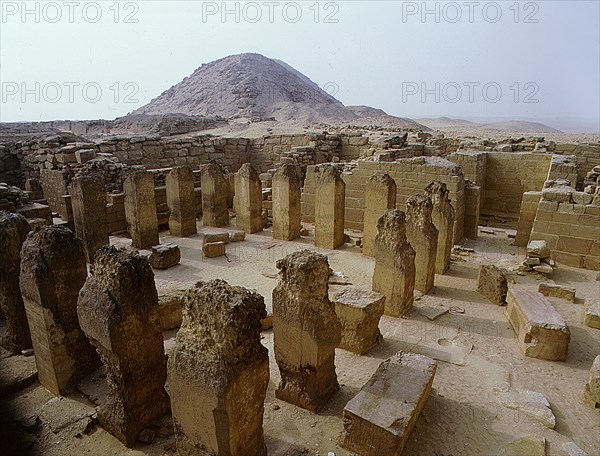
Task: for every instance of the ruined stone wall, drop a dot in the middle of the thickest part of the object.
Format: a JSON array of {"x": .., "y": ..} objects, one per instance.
[
  {"x": 411, "y": 176},
  {"x": 473, "y": 165},
  {"x": 571, "y": 230},
  {"x": 508, "y": 176},
  {"x": 588, "y": 156},
  {"x": 10, "y": 165},
  {"x": 55, "y": 184}
]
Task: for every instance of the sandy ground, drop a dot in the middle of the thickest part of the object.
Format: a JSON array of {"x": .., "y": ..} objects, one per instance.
[{"x": 477, "y": 352}]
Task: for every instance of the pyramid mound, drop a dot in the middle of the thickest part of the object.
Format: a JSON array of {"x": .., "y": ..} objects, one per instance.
[{"x": 252, "y": 86}]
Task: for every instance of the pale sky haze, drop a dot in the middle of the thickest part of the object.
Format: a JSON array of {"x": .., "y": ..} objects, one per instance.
[{"x": 538, "y": 61}]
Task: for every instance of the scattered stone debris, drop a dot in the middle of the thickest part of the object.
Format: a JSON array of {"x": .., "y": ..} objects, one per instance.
[{"x": 538, "y": 259}]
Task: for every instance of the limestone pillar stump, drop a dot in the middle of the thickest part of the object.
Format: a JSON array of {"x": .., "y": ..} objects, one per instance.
[
  {"x": 88, "y": 199},
  {"x": 306, "y": 331},
  {"x": 442, "y": 217},
  {"x": 53, "y": 270},
  {"x": 286, "y": 203},
  {"x": 13, "y": 231},
  {"x": 117, "y": 310},
  {"x": 181, "y": 201},
  {"x": 394, "y": 273},
  {"x": 215, "y": 194},
  {"x": 219, "y": 372},
  {"x": 423, "y": 238},
  {"x": 248, "y": 200},
  {"x": 380, "y": 195},
  {"x": 330, "y": 192},
  {"x": 140, "y": 210}
]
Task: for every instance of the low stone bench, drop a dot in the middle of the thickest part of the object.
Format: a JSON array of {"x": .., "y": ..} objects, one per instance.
[
  {"x": 541, "y": 331},
  {"x": 380, "y": 418},
  {"x": 359, "y": 312}
]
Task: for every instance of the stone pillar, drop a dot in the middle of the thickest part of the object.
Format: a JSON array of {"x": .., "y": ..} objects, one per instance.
[
  {"x": 286, "y": 203},
  {"x": 117, "y": 310},
  {"x": 215, "y": 193},
  {"x": 330, "y": 191},
  {"x": 13, "y": 231},
  {"x": 140, "y": 210},
  {"x": 88, "y": 198},
  {"x": 219, "y": 372},
  {"x": 423, "y": 238},
  {"x": 53, "y": 270},
  {"x": 380, "y": 195},
  {"x": 394, "y": 273},
  {"x": 306, "y": 331},
  {"x": 181, "y": 201},
  {"x": 248, "y": 200},
  {"x": 442, "y": 217},
  {"x": 472, "y": 209}
]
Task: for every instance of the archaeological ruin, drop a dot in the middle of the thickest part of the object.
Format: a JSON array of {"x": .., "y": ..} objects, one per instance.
[{"x": 234, "y": 284}]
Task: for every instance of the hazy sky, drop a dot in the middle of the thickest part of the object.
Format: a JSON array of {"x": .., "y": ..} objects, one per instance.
[{"x": 88, "y": 60}]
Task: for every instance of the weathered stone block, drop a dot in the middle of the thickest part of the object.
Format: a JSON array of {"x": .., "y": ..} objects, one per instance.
[
  {"x": 216, "y": 237},
  {"x": 117, "y": 312},
  {"x": 591, "y": 316},
  {"x": 219, "y": 372},
  {"x": 492, "y": 283},
  {"x": 213, "y": 249},
  {"x": 53, "y": 270},
  {"x": 359, "y": 312},
  {"x": 538, "y": 249},
  {"x": 237, "y": 236},
  {"x": 165, "y": 256},
  {"x": 394, "y": 273},
  {"x": 380, "y": 418},
  {"x": 557, "y": 291},
  {"x": 306, "y": 331},
  {"x": 541, "y": 331}
]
